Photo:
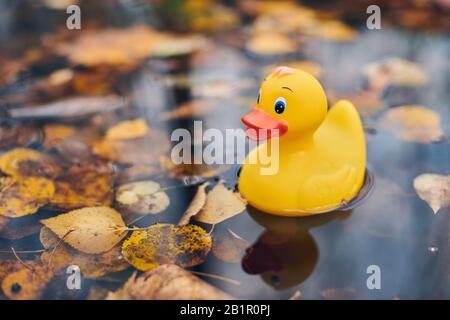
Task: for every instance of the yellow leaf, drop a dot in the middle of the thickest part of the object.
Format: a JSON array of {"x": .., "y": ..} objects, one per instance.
[
  {"x": 143, "y": 197},
  {"x": 130, "y": 129},
  {"x": 91, "y": 266},
  {"x": 185, "y": 246},
  {"x": 23, "y": 196},
  {"x": 413, "y": 123},
  {"x": 90, "y": 230},
  {"x": 195, "y": 206},
  {"x": 221, "y": 204},
  {"x": 434, "y": 189},
  {"x": 27, "y": 162},
  {"x": 27, "y": 283}
]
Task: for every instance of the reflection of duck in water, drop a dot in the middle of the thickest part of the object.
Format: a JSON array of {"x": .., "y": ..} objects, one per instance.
[{"x": 285, "y": 254}]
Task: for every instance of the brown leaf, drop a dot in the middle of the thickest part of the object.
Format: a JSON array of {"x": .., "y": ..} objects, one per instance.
[
  {"x": 195, "y": 206},
  {"x": 55, "y": 133},
  {"x": 434, "y": 189},
  {"x": 91, "y": 266},
  {"x": 221, "y": 204},
  {"x": 27, "y": 283},
  {"x": 230, "y": 248},
  {"x": 90, "y": 230},
  {"x": 185, "y": 246},
  {"x": 83, "y": 186},
  {"x": 28, "y": 162},
  {"x": 23, "y": 196},
  {"x": 413, "y": 123},
  {"x": 192, "y": 109},
  {"x": 167, "y": 282}
]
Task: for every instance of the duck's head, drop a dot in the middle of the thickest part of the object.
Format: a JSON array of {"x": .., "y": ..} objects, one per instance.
[{"x": 290, "y": 103}]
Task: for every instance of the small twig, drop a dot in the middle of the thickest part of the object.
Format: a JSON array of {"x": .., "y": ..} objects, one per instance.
[
  {"x": 20, "y": 260},
  {"x": 217, "y": 277},
  {"x": 23, "y": 251},
  {"x": 56, "y": 246}
]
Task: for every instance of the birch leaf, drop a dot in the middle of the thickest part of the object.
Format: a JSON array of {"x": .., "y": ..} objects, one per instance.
[
  {"x": 195, "y": 206},
  {"x": 434, "y": 189},
  {"x": 185, "y": 246},
  {"x": 221, "y": 204},
  {"x": 90, "y": 230}
]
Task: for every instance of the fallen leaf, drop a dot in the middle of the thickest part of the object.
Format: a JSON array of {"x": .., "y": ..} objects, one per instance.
[
  {"x": 129, "y": 129},
  {"x": 70, "y": 108},
  {"x": 185, "y": 246},
  {"x": 144, "y": 150},
  {"x": 23, "y": 196},
  {"x": 55, "y": 133},
  {"x": 197, "y": 203},
  {"x": 143, "y": 197},
  {"x": 83, "y": 186},
  {"x": 27, "y": 162},
  {"x": 339, "y": 293},
  {"x": 20, "y": 136},
  {"x": 434, "y": 189},
  {"x": 113, "y": 46},
  {"x": 230, "y": 248},
  {"x": 97, "y": 293},
  {"x": 91, "y": 266},
  {"x": 221, "y": 204},
  {"x": 90, "y": 230},
  {"x": 167, "y": 282},
  {"x": 191, "y": 109},
  {"x": 271, "y": 43},
  {"x": 28, "y": 283},
  {"x": 395, "y": 71},
  {"x": 186, "y": 170},
  {"x": 413, "y": 123}
]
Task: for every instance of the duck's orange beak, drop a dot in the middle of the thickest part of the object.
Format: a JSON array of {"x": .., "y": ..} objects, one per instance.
[{"x": 261, "y": 125}]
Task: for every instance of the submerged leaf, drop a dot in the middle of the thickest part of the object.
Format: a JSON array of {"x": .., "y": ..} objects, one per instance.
[
  {"x": 413, "y": 123},
  {"x": 23, "y": 196},
  {"x": 167, "y": 282},
  {"x": 434, "y": 189},
  {"x": 83, "y": 186},
  {"x": 130, "y": 129},
  {"x": 143, "y": 197},
  {"x": 185, "y": 246},
  {"x": 27, "y": 283},
  {"x": 27, "y": 162},
  {"x": 90, "y": 230},
  {"x": 230, "y": 248},
  {"x": 91, "y": 266}
]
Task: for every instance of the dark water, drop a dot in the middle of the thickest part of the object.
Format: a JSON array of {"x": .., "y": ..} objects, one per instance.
[{"x": 393, "y": 229}]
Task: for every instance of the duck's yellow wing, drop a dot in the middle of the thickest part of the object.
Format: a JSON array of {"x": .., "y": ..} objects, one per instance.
[{"x": 341, "y": 138}]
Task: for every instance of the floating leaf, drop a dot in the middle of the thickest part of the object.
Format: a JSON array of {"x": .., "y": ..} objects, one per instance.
[
  {"x": 143, "y": 197},
  {"x": 91, "y": 265},
  {"x": 397, "y": 72},
  {"x": 23, "y": 196},
  {"x": 19, "y": 136},
  {"x": 221, "y": 204},
  {"x": 191, "y": 109},
  {"x": 167, "y": 282},
  {"x": 186, "y": 170},
  {"x": 55, "y": 133},
  {"x": 144, "y": 150},
  {"x": 70, "y": 108},
  {"x": 27, "y": 283},
  {"x": 230, "y": 248},
  {"x": 90, "y": 230},
  {"x": 434, "y": 189},
  {"x": 130, "y": 129},
  {"x": 185, "y": 246},
  {"x": 413, "y": 123},
  {"x": 83, "y": 186},
  {"x": 197, "y": 203},
  {"x": 27, "y": 162},
  {"x": 271, "y": 43}
]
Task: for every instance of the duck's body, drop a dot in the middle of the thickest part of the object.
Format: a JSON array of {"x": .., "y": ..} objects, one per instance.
[{"x": 320, "y": 166}]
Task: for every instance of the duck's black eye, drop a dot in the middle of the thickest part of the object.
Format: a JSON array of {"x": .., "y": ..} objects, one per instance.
[
  {"x": 280, "y": 105},
  {"x": 259, "y": 97}
]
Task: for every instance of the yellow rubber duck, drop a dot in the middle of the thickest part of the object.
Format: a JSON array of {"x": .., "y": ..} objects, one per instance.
[{"x": 321, "y": 153}]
